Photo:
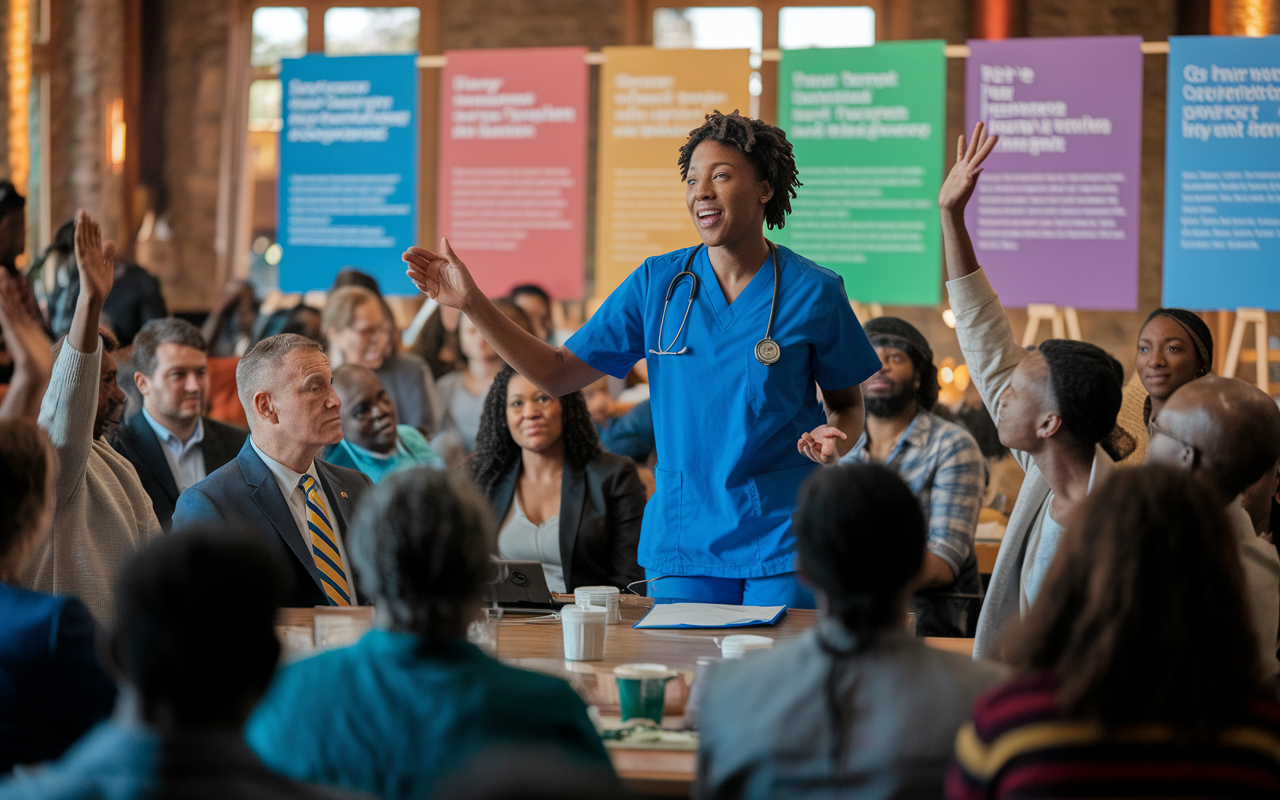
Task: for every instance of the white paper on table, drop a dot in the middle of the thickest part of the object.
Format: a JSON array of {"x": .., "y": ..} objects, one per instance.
[{"x": 709, "y": 615}]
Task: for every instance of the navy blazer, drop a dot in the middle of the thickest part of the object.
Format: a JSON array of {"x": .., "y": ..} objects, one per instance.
[
  {"x": 137, "y": 441},
  {"x": 52, "y": 688},
  {"x": 601, "y": 507},
  {"x": 244, "y": 495}
]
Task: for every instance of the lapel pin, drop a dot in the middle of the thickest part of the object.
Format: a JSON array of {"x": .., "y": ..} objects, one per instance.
[{"x": 344, "y": 495}]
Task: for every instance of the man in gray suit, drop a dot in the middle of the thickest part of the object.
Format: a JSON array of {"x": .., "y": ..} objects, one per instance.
[
  {"x": 170, "y": 443},
  {"x": 277, "y": 487}
]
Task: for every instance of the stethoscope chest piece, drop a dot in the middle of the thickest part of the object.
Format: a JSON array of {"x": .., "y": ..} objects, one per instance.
[{"x": 768, "y": 352}]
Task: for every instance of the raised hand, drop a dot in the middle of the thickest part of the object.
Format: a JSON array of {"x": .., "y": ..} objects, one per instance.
[
  {"x": 820, "y": 444},
  {"x": 96, "y": 261},
  {"x": 441, "y": 276},
  {"x": 26, "y": 342},
  {"x": 960, "y": 183}
]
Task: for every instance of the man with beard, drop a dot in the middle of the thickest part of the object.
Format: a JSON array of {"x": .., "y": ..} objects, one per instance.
[
  {"x": 941, "y": 463},
  {"x": 101, "y": 513},
  {"x": 169, "y": 443}
]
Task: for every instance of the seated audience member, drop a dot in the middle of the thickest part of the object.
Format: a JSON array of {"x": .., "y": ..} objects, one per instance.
[
  {"x": 941, "y": 463},
  {"x": 631, "y": 434},
  {"x": 1138, "y": 673},
  {"x": 857, "y": 706},
  {"x": 1053, "y": 406},
  {"x": 302, "y": 319},
  {"x": 52, "y": 688},
  {"x": 437, "y": 342},
  {"x": 413, "y": 699},
  {"x": 102, "y": 512},
  {"x": 372, "y": 442},
  {"x": 358, "y": 330},
  {"x": 277, "y": 487},
  {"x": 13, "y": 243},
  {"x": 463, "y": 391},
  {"x": 134, "y": 299},
  {"x": 534, "y": 301},
  {"x": 230, "y": 326},
  {"x": 558, "y": 497},
  {"x": 1229, "y": 432},
  {"x": 170, "y": 444},
  {"x": 601, "y": 405},
  {"x": 191, "y": 671}
]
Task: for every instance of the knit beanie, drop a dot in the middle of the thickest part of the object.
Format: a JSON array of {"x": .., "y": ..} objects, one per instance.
[{"x": 902, "y": 335}]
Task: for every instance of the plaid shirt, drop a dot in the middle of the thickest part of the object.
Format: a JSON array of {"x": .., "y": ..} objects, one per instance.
[{"x": 942, "y": 464}]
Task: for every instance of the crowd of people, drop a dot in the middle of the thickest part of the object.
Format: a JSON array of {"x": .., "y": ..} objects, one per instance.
[{"x": 1125, "y": 644}]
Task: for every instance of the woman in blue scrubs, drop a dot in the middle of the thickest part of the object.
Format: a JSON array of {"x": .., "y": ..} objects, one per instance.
[{"x": 733, "y": 366}]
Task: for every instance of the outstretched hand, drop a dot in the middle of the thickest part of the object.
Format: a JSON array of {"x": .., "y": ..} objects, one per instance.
[
  {"x": 95, "y": 260},
  {"x": 30, "y": 349},
  {"x": 820, "y": 444},
  {"x": 963, "y": 178},
  {"x": 441, "y": 276}
]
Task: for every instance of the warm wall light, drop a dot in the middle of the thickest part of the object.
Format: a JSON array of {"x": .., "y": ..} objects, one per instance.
[
  {"x": 1253, "y": 17},
  {"x": 115, "y": 127},
  {"x": 19, "y": 91}
]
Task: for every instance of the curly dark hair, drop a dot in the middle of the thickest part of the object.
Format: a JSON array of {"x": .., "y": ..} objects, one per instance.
[
  {"x": 764, "y": 145},
  {"x": 496, "y": 451}
]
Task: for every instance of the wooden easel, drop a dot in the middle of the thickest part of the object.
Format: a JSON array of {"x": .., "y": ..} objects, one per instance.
[
  {"x": 1063, "y": 321},
  {"x": 1258, "y": 318}
]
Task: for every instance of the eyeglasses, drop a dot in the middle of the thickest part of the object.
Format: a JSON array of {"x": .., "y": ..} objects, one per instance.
[{"x": 1189, "y": 454}]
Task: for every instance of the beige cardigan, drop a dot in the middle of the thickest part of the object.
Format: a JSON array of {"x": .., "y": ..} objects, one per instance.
[
  {"x": 992, "y": 353},
  {"x": 102, "y": 513}
]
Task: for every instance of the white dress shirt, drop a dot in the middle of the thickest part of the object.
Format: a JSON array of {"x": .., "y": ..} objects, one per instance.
[
  {"x": 287, "y": 480},
  {"x": 186, "y": 459}
]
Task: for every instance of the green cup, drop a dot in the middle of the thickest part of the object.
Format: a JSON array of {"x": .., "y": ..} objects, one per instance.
[{"x": 641, "y": 689}]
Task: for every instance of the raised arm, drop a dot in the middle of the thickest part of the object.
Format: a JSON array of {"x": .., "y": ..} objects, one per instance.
[
  {"x": 30, "y": 349},
  {"x": 954, "y": 196},
  {"x": 443, "y": 277},
  {"x": 95, "y": 262}
]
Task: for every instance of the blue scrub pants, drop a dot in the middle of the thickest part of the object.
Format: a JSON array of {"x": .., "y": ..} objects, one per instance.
[{"x": 773, "y": 590}]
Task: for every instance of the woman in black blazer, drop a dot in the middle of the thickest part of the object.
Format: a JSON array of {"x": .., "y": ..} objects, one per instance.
[{"x": 559, "y": 498}]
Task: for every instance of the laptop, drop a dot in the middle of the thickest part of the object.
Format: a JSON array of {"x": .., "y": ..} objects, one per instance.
[{"x": 519, "y": 584}]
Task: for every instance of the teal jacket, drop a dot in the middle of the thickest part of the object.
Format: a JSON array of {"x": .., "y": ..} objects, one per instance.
[
  {"x": 394, "y": 714},
  {"x": 411, "y": 451}
]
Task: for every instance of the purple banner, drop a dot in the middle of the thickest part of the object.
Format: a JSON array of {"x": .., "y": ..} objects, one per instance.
[{"x": 1055, "y": 216}]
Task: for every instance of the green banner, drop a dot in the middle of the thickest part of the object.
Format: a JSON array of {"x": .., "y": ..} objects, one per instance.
[{"x": 868, "y": 124}]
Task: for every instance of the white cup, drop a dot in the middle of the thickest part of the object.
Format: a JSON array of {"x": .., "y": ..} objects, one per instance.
[
  {"x": 740, "y": 644},
  {"x": 603, "y": 596},
  {"x": 584, "y": 630}
]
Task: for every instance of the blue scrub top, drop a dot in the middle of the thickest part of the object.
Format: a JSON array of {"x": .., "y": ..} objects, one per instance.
[{"x": 726, "y": 426}]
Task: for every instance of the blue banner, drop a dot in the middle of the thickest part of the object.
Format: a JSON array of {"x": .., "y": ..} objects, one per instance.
[
  {"x": 1222, "y": 173},
  {"x": 348, "y": 190}
]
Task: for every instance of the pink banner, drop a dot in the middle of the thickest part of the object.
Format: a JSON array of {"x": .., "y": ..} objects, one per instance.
[{"x": 513, "y": 164}]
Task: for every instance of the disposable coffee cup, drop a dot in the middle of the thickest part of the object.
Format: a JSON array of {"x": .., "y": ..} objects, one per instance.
[
  {"x": 740, "y": 644},
  {"x": 641, "y": 690},
  {"x": 584, "y": 632},
  {"x": 604, "y": 596}
]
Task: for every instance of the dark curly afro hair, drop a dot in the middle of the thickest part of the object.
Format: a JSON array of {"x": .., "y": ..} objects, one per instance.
[
  {"x": 496, "y": 452},
  {"x": 764, "y": 145}
]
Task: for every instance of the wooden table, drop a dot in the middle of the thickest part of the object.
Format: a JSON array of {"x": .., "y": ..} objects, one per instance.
[{"x": 538, "y": 645}]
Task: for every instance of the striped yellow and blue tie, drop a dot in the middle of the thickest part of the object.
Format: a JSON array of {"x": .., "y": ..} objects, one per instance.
[{"x": 324, "y": 546}]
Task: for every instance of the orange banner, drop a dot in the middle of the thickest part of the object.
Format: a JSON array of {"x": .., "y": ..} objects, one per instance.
[{"x": 649, "y": 101}]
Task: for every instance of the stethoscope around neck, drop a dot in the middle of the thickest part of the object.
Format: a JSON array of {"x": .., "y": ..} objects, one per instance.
[{"x": 767, "y": 350}]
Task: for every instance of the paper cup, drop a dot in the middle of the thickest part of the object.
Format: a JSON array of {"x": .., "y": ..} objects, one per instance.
[
  {"x": 641, "y": 689},
  {"x": 740, "y": 644},
  {"x": 584, "y": 632}
]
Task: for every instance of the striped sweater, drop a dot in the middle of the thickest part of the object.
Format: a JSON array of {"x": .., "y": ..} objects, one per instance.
[{"x": 1019, "y": 745}]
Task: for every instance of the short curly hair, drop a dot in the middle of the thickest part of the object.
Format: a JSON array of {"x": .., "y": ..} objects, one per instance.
[
  {"x": 1088, "y": 386},
  {"x": 764, "y": 145},
  {"x": 496, "y": 451}
]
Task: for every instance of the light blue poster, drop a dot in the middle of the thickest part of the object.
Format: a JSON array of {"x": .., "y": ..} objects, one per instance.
[
  {"x": 348, "y": 190},
  {"x": 1222, "y": 173}
]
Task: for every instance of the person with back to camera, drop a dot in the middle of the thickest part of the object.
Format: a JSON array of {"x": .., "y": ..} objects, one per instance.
[
  {"x": 559, "y": 498},
  {"x": 373, "y": 441},
  {"x": 1228, "y": 432},
  {"x": 1137, "y": 672},
  {"x": 856, "y": 707},
  {"x": 1054, "y": 407},
  {"x": 52, "y": 688},
  {"x": 737, "y": 333},
  {"x": 413, "y": 700},
  {"x": 190, "y": 670}
]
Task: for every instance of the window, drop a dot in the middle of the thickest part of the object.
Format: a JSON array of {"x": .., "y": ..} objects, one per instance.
[
  {"x": 826, "y": 26},
  {"x": 278, "y": 33},
  {"x": 714, "y": 28},
  {"x": 368, "y": 31}
]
